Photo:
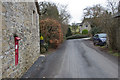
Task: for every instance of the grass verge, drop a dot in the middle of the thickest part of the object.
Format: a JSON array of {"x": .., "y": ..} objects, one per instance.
[{"x": 111, "y": 51}]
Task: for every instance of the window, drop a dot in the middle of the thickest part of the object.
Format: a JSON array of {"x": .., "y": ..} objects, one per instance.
[
  {"x": 102, "y": 35},
  {"x": 33, "y": 17}
]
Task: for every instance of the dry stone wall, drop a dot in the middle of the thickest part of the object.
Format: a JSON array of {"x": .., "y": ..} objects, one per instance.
[{"x": 22, "y": 19}]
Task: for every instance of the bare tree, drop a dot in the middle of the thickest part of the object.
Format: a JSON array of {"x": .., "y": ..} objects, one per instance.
[
  {"x": 94, "y": 11},
  {"x": 112, "y": 6},
  {"x": 63, "y": 14},
  {"x": 57, "y": 12},
  {"x": 94, "y": 15}
]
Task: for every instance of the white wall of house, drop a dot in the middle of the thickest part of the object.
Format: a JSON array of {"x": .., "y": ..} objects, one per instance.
[{"x": 86, "y": 25}]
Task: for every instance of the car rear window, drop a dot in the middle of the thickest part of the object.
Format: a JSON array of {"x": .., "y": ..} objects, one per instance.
[{"x": 102, "y": 35}]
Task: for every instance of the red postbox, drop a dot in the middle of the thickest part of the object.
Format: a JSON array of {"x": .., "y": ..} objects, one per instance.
[{"x": 16, "y": 49}]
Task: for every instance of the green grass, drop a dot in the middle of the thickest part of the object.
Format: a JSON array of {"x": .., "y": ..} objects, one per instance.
[
  {"x": 112, "y": 52},
  {"x": 116, "y": 54},
  {"x": 102, "y": 46}
]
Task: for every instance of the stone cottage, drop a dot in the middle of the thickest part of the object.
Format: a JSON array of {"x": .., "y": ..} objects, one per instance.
[
  {"x": 21, "y": 19},
  {"x": 85, "y": 25}
]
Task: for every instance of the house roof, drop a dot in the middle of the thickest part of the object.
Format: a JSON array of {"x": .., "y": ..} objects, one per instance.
[{"x": 87, "y": 19}]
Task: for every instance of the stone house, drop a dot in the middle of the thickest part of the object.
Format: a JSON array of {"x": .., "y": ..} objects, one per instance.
[
  {"x": 21, "y": 19},
  {"x": 85, "y": 25}
]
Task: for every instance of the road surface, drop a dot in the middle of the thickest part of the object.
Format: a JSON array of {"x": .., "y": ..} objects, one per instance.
[{"x": 75, "y": 59}]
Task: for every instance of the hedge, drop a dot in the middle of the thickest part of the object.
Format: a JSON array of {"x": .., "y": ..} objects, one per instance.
[
  {"x": 77, "y": 36},
  {"x": 85, "y": 31}
]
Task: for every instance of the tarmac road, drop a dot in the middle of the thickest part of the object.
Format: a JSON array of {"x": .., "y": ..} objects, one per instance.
[{"x": 75, "y": 59}]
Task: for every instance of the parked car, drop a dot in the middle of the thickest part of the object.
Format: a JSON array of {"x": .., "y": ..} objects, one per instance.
[{"x": 100, "y": 39}]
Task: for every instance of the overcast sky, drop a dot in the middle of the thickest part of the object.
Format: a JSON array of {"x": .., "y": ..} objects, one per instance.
[{"x": 75, "y": 7}]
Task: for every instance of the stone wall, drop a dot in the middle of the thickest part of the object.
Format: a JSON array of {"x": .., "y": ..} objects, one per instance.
[
  {"x": 22, "y": 19},
  {"x": 86, "y": 25},
  {"x": 0, "y": 40}
]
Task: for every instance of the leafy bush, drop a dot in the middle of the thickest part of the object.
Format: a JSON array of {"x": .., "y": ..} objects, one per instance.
[
  {"x": 85, "y": 31},
  {"x": 77, "y": 33},
  {"x": 51, "y": 31},
  {"x": 43, "y": 47},
  {"x": 95, "y": 30},
  {"x": 42, "y": 50},
  {"x": 77, "y": 36},
  {"x": 69, "y": 33}
]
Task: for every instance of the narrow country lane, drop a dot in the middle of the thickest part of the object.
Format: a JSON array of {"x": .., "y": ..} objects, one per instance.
[{"x": 74, "y": 59}]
